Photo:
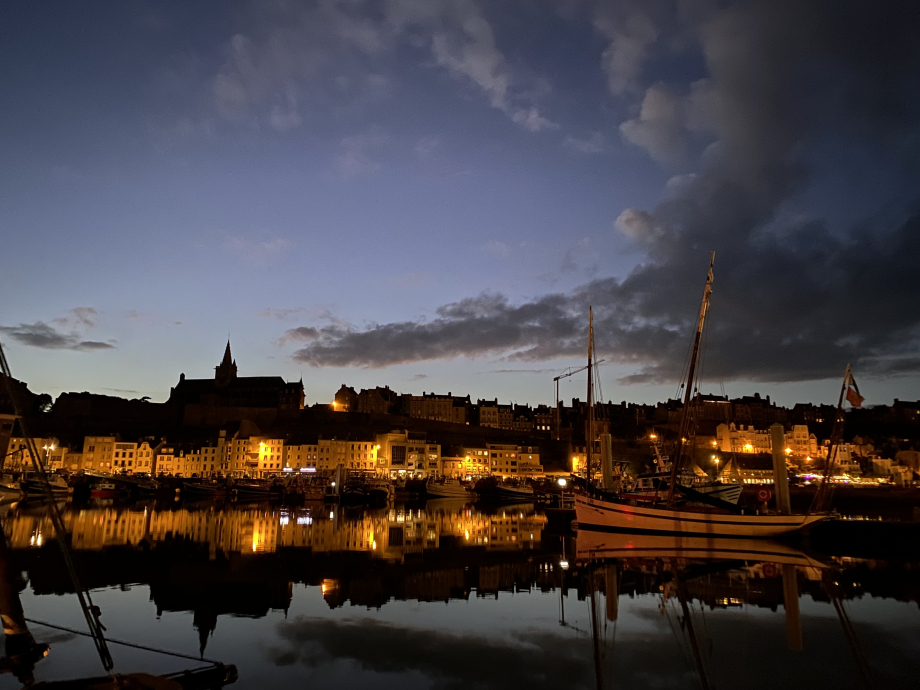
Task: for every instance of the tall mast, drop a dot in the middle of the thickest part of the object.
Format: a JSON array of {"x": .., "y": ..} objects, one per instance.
[
  {"x": 589, "y": 430},
  {"x": 691, "y": 374},
  {"x": 822, "y": 496}
]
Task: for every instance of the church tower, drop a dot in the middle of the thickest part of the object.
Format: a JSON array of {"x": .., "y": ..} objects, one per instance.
[{"x": 225, "y": 372}]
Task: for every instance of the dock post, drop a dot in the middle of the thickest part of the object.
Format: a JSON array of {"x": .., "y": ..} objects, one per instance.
[
  {"x": 780, "y": 480},
  {"x": 791, "y": 603},
  {"x": 607, "y": 460},
  {"x": 612, "y": 589}
]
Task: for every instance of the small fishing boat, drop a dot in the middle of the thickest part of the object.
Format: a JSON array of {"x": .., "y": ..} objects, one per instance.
[
  {"x": 354, "y": 491},
  {"x": 446, "y": 488},
  {"x": 10, "y": 488},
  {"x": 34, "y": 487},
  {"x": 254, "y": 490},
  {"x": 202, "y": 488},
  {"x": 494, "y": 489},
  {"x": 136, "y": 485},
  {"x": 380, "y": 491},
  {"x": 103, "y": 489}
]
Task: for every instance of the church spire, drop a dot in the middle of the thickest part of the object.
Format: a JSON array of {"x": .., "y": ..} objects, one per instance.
[{"x": 225, "y": 372}]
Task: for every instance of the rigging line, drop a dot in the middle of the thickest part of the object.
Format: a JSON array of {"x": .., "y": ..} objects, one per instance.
[
  {"x": 124, "y": 643},
  {"x": 685, "y": 369},
  {"x": 90, "y": 612},
  {"x": 677, "y": 638}
]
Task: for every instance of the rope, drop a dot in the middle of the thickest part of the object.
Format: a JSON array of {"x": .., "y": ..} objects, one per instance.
[
  {"x": 91, "y": 612},
  {"x": 112, "y": 640}
]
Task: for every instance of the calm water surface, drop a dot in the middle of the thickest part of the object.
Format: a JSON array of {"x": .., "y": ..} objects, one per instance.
[{"x": 450, "y": 596}]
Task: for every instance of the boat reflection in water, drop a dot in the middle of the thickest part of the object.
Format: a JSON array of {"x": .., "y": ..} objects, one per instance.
[
  {"x": 721, "y": 572},
  {"x": 345, "y": 597}
]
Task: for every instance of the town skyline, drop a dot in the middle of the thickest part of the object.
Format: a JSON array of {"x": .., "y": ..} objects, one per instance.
[{"x": 570, "y": 387}]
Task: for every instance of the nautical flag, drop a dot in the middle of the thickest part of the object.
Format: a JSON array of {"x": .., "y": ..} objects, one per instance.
[{"x": 853, "y": 396}]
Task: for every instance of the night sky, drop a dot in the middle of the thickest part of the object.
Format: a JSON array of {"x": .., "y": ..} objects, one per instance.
[{"x": 430, "y": 193}]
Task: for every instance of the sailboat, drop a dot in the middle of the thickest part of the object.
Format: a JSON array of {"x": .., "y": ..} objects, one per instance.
[{"x": 594, "y": 510}]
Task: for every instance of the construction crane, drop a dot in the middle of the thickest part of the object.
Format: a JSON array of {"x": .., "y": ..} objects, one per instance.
[{"x": 568, "y": 372}]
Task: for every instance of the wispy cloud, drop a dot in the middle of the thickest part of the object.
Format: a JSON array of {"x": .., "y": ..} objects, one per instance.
[
  {"x": 592, "y": 144},
  {"x": 78, "y": 317},
  {"x": 356, "y": 155},
  {"x": 496, "y": 248},
  {"x": 258, "y": 248},
  {"x": 42, "y": 335},
  {"x": 280, "y": 314}
]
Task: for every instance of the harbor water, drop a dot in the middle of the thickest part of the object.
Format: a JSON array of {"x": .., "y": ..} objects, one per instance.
[{"x": 449, "y": 595}]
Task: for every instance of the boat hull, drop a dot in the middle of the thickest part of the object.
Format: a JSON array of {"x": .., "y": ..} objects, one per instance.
[
  {"x": 597, "y": 514},
  {"x": 447, "y": 491}
]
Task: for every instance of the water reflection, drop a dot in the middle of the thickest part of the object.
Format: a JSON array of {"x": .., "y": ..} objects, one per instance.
[
  {"x": 346, "y": 597},
  {"x": 388, "y": 533}
]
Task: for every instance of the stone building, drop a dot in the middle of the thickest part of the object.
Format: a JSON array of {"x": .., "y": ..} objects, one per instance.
[{"x": 232, "y": 398}]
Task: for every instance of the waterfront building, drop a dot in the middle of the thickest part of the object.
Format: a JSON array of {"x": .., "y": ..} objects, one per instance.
[
  {"x": 123, "y": 454},
  {"x": 99, "y": 453},
  {"x": 407, "y": 453},
  {"x": 146, "y": 454},
  {"x": 465, "y": 461},
  {"x": 325, "y": 454},
  {"x": 732, "y": 438},
  {"x": 18, "y": 457},
  {"x": 800, "y": 443},
  {"x": 510, "y": 460},
  {"x": 72, "y": 459}
]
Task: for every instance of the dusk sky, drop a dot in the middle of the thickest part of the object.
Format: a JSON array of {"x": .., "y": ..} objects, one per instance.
[{"x": 430, "y": 193}]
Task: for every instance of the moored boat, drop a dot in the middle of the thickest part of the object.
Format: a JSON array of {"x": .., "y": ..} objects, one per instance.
[
  {"x": 702, "y": 514},
  {"x": 379, "y": 491},
  {"x": 354, "y": 491},
  {"x": 34, "y": 487},
  {"x": 446, "y": 488},
  {"x": 103, "y": 489},
  {"x": 596, "y": 513},
  {"x": 494, "y": 489},
  {"x": 254, "y": 490},
  {"x": 202, "y": 488}
]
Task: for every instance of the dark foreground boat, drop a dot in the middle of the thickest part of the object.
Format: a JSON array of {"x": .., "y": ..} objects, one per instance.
[{"x": 198, "y": 679}]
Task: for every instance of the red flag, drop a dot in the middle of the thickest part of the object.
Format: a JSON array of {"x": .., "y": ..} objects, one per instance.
[{"x": 853, "y": 396}]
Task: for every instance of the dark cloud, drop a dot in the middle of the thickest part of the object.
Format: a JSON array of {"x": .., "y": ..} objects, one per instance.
[
  {"x": 524, "y": 371},
  {"x": 299, "y": 334},
  {"x": 794, "y": 94},
  {"x": 40, "y": 334}
]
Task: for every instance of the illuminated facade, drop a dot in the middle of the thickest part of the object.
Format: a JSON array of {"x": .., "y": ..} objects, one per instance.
[
  {"x": 799, "y": 443},
  {"x": 407, "y": 454},
  {"x": 18, "y": 457}
]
